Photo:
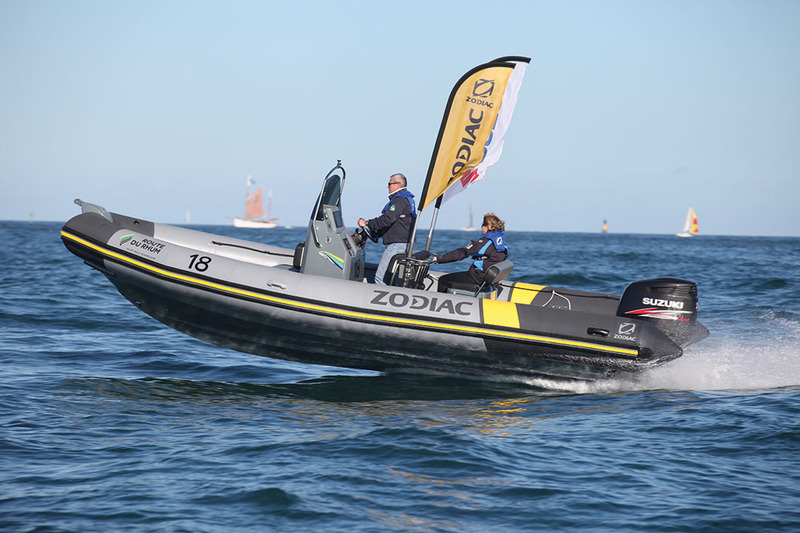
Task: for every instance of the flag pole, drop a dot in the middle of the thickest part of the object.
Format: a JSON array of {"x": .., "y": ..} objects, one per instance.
[
  {"x": 413, "y": 240},
  {"x": 433, "y": 223}
]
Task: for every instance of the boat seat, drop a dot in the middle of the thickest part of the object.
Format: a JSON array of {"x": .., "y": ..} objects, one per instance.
[{"x": 493, "y": 275}]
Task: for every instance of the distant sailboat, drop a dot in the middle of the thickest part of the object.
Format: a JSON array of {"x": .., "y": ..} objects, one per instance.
[
  {"x": 469, "y": 225},
  {"x": 690, "y": 226},
  {"x": 254, "y": 210}
]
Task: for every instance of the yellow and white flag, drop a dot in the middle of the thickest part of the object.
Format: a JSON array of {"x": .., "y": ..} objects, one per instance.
[{"x": 475, "y": 122}]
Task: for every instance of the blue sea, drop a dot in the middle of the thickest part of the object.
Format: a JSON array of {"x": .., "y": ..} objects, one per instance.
[{"x": 110, "y": 421}]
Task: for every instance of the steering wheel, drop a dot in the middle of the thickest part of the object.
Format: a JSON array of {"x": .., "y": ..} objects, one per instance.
[{"x": 369, "y": 234}]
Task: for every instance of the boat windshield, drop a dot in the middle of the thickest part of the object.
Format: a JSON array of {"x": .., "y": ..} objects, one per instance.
[{"x": 331, "y": 193}]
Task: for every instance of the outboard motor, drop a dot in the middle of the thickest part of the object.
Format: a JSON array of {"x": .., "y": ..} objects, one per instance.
[{"x": 668, "y": 303}]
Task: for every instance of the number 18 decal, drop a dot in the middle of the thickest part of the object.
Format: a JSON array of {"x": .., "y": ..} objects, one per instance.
[{"x": 199, "y": 262}]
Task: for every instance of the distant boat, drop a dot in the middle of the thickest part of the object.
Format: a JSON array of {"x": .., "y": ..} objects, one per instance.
[
  {"x": 690, "y": 226},
  {"x": 469, "y": 225},
  {"x": 254, "y": 210},
  {"x": 604, "y": 228}
]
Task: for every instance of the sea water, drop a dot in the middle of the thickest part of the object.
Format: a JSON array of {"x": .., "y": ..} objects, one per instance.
[{"x": 110, "y": 421}]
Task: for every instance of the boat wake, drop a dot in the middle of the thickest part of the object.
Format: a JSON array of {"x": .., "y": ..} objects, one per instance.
[
  {"x": 766, "y": 359},
  {"x": 731, "y": 366}
]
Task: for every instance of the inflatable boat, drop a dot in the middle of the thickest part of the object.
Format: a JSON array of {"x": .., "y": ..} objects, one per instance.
[{"x": 317, "y": 303}]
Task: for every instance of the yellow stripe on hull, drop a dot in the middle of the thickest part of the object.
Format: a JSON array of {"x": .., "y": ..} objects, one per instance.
[
  {"x": 524, "y": 293},
  {"x": 497, "y": 313}
]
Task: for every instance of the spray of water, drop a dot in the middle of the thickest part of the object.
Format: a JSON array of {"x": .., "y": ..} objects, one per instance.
[
  {"x": 765, "y": 357},
  {"x": 730, "y": 365}
]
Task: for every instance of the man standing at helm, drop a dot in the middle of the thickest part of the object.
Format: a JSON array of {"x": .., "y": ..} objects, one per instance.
[{"x": 395, "y": 224}]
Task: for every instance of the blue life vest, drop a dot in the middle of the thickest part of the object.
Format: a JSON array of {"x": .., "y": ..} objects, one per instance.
[
  {"x": 404, "y": 194},
  {"x": 495, "y": 237}
]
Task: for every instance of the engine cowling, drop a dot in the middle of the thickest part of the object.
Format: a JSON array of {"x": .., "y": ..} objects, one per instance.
[{"x": 668, "y": 303}]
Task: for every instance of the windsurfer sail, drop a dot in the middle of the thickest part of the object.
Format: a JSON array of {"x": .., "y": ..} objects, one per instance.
[{"x": 473, "y": 129}]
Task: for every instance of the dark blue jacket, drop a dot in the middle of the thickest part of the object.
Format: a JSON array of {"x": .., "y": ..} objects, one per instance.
[
  {"x": 396, "y": 221},
  {"x": 486, "y": 251}
]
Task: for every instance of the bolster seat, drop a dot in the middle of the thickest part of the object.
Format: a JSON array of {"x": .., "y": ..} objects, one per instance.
[{"x": 493, "y": 275}]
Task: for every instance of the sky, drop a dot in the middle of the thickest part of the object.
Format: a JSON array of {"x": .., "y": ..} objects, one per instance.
[{"x": 630, "y": 111}]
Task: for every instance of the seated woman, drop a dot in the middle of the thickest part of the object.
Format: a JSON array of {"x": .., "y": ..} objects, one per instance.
[{"x": 489, "y": 249}]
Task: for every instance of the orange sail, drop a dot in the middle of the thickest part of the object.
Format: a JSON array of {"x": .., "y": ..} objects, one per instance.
[{"x": 254, "y": 206}]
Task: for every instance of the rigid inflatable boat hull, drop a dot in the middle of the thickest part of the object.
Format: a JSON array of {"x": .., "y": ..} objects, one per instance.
[{"x": 257, "y": 303}]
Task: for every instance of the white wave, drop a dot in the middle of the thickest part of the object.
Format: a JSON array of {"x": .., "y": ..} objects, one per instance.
[
  {"x": 731, "y": 365},
  {"x": 765, "y": 354},
  {"x": 722, "y": 365}
]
